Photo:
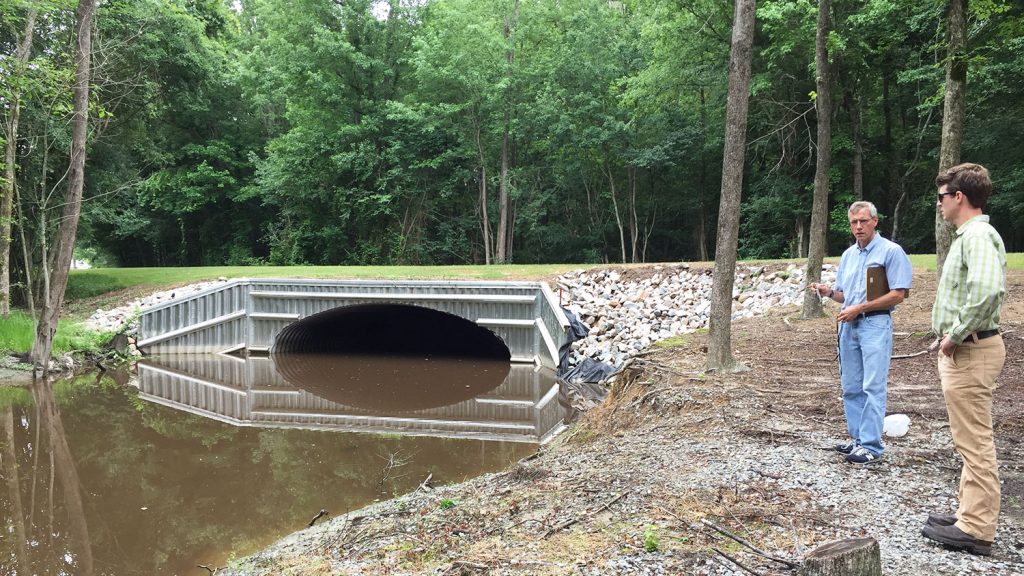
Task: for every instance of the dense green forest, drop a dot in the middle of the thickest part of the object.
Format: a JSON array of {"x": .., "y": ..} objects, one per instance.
[{"x": 467, "y": 131}]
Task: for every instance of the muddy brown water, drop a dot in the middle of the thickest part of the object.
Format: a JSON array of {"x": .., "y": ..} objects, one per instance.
[{"x": 199, "y": 459}]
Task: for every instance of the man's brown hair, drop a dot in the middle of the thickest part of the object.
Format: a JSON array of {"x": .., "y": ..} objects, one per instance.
[{"x": 970, "y": 179}]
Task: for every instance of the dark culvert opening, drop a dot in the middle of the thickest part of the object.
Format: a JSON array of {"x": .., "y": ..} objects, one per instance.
[{"x": 390, "y": 357}]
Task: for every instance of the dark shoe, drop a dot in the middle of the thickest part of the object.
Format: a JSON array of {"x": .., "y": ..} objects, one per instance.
[
  {"x": 941, "y": 520},
  {"x": 956, "y": 538},
  {"x": 861, "y": 455},
  {"x": 845, "y": 448}
]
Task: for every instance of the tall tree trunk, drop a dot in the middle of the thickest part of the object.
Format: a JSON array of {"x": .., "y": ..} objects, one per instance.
[
  {"x": 800, "y": 229},
  {"x": 485, "y": 219},
  {"x": 702, "y": 233},
  {"x": 702, "y": 179},
  {"x": 68, "y": 229},
  {"x": 504, "y": 200},
  {"x": 819, "y": 207},
  {"x": 858, "y": 148},
  {"x": 615, "y": 208},
  {"x": 720, "y": 322},
  {"x": 26, "y": 255},
  {"x": 953, "y": 114},
  {"x": 24, "y": 51},
  {"x": 634, "y": 226}
]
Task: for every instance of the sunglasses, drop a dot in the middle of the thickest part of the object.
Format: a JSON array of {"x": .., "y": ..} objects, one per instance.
[{"x": 941, "y": 194}]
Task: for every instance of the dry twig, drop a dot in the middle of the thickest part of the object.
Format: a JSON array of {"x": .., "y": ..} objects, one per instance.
[
  {"x": 753, "y": 548},
  {"x": 736, "y": 562},
  {"x": 576, "y": 519}
]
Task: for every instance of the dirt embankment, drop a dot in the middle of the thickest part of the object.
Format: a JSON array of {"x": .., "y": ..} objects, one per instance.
[{"x": 642, "y": 483}]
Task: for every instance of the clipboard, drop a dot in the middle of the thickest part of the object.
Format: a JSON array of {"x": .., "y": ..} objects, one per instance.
[{"x": 876, "y": 284}]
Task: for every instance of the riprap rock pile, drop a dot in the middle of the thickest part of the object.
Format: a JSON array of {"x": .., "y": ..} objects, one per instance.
[{"x": 626, "y": 313}]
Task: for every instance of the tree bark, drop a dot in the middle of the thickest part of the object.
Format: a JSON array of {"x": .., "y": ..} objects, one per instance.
[
  {"x": 850, "y": 557},
  {"x": 504, "y": 200},
  {"x": 615, "y": 208},
  {"x": 634, "y": 225},
  {"x": 22, "y": 54},
  {"x": 819, "y": 207},
  {"x": 800, "y": 229},
  {"x": 68, "y": 229},
  {"x": 485, "y": 220},
  {"x": 953, "y": 114},
  {"x": 720, "y": 322},
  {"x": 858, "y": 149},
  {"x": 702, "y": 179}
]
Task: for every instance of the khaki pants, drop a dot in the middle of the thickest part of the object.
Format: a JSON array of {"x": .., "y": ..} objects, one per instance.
[{"x": 968, "y": 380}]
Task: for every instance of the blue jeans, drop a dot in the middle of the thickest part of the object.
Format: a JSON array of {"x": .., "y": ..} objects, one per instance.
[{"x": 865, "y": 346}]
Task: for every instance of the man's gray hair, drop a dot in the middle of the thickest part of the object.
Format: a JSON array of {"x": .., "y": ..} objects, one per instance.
[{"x": 861, "y": 205}]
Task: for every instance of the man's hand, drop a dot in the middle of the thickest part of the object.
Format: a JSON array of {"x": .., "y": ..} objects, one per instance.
[
  {"x": 850, "y": 313},
  {"x": 946, "y": 346},
  {"x": 820, "y": 289}
]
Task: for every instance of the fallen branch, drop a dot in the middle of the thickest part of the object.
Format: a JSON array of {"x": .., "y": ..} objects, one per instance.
[
  {"x": 425, "y": 484},
  {"x": 756, "y": 550},
  {"x": 736, "y": 562},
  {"x": 576, "y": 519},
  {"x": 318, "y": 516}
]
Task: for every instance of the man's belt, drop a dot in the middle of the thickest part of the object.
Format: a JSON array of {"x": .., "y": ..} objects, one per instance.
[
  {"x": 873, "y": 313},
  {"x": 982, "y": 334}
]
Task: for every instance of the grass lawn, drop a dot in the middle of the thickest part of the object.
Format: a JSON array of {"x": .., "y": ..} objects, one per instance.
[
  {"x": 17, "y": 332},
  {"x": 96, "y": 281},
  {"x": 85, "y": 284}
]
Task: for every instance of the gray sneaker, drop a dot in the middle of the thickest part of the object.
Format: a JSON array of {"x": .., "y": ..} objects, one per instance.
[
  {"x": 861, "y": 455},
  {"x": 845, "y": 448}
]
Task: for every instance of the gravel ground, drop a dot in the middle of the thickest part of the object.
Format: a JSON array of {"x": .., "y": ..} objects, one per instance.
[{"x": 643, "y": 483}]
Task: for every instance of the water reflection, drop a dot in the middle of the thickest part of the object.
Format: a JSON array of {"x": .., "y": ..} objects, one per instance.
[
  {"x": 395, "y": 383},
  {"x": 101, "y": 478},
  {"x": 478, "y": 399}
]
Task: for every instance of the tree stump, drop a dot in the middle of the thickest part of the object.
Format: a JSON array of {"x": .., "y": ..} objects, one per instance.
[{"x": 850, "y": 557}]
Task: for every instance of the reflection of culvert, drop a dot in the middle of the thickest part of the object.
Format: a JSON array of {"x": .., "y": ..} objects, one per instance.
[
  {"x": 390, "y": 329},
  {"x": 385, "y": 384},
  {"x": 385, "y": 357}
]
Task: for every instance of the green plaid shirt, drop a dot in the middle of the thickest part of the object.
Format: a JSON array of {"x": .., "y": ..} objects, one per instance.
[{"x": 973, "y": 284}]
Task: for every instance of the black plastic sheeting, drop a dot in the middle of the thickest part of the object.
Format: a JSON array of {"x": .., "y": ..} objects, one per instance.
[
  {"x": 579, "y": 386},
  {"x": 588, "y": 370}
]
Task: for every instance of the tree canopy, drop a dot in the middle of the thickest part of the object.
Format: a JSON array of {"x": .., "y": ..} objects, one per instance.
[{"x": 395, "y": 131}]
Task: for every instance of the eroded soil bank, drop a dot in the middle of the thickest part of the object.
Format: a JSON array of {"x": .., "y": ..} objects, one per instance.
[{"x": 639, "y": 484}]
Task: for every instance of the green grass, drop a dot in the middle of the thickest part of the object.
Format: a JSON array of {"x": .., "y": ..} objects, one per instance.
[
  {"x": 98, "y": 281},
  {"x": 94, "y": 282},
  {"x": 1014, "y": 261},
  {"x": 17, "y": 333}
]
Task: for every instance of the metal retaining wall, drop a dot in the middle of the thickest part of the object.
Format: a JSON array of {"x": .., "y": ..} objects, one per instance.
[{"x": 247, "y": 314}]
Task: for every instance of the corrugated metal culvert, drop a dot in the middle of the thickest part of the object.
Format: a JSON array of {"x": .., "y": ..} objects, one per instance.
[{"x": 248, "y": 314}]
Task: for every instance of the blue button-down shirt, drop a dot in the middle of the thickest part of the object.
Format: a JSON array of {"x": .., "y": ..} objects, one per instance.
[{"x": 851, "y": 279}]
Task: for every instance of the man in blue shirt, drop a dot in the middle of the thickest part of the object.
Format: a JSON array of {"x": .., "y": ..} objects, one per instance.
[{"x": 865, "y": 330}]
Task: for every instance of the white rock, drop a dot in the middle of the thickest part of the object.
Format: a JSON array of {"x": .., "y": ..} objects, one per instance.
[{"x": 896, "y": 425}]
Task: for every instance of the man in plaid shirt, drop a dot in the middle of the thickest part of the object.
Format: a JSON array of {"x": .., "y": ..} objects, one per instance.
[{"x": 971, "y": 354}]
